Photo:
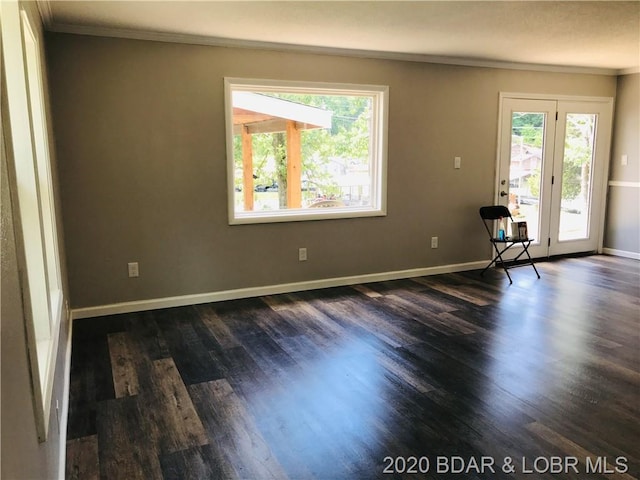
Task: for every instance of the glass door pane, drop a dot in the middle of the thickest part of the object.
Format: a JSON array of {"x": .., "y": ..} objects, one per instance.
[
  {"x": 525, "y": 168},
  {"x": 577, "y": 162}
]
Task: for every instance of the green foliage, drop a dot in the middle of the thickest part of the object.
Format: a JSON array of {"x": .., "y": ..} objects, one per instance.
[
  {"x": 571, "y": 181},
  {"x": 571, "y": 185},
  {"x": 534, "y": 183},
  {"x": 530, "y": 126},
  {"x": 578, "y": 151}
]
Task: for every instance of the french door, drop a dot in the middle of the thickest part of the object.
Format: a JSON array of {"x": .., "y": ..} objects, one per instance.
[{"x": 552, "y": 167}]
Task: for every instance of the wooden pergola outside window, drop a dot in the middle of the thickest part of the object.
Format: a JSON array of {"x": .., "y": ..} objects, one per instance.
[{"x": 258, "y": 113}]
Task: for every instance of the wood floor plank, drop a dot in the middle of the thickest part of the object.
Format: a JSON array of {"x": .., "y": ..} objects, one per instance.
[
  {"x": 82, "y": 403},
  {"x": 453, "y": 291},
  {"x": 147, "y": 336},
  {"x": 367, "y": 291},
  {"x": 231, "y": 428},
  {"x": 124, "y": 450},
  {"x": 82, "y": 461},
  {"x": 453, "y": 321},
  {"x": 316, "y": 325},
  {"x": 172, "y": 420},
  {"x": 266, "y": 352},
  {"x": 244, "y": 373},
  {"x": 569, "y": 447},
  {"x": 125, "y": 377},
  {"x": 217, "y": 327},
  {"x": 367, "y": 317},
  {"x": 420, "y": 314},
  {"x": 404, "y": 372},
  {"x": 279, "y": 302},
  {"x": 195, "y": 463},
  {"x": 188, "y": 349},
  {"x": 91, "y": 378}
]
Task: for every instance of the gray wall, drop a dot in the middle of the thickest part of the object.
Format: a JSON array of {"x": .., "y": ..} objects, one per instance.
[
  {"x": 141, "y": 147},
  {"x": 23, "y": 457},
  {"x": 623, "y": 209}
]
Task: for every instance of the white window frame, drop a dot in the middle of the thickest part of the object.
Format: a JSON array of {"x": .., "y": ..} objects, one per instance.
[
  {"x": 33, "y": 204},
  {"x": 380, "y": 95}
]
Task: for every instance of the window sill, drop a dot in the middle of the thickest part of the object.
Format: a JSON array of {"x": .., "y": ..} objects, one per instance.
[{"x": 305, "y": 214}]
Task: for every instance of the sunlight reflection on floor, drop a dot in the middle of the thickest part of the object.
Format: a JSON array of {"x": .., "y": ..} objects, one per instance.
[{"x": 334, "y": 406}]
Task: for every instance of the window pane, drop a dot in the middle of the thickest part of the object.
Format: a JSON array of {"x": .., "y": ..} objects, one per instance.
[
  {"x": 305, "y": 150},
  {"x": 45, "y": 189}
]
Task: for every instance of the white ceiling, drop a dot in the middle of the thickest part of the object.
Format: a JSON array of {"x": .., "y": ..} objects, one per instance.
[{"x": 603, "y": 37}]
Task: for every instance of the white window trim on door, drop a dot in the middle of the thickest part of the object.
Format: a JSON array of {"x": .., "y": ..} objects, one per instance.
[{"x": 601, "y": 186}]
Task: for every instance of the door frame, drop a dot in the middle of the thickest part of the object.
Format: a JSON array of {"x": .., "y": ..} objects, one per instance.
[{"x": 607, "y": 101}]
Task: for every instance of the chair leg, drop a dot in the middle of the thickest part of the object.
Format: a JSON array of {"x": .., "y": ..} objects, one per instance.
[
  {"x": 504, "y": 266},
  {"x": 498, "y": 257},
  {"x": 526, "y": 250},
  {"x": 495, "y": 261}
]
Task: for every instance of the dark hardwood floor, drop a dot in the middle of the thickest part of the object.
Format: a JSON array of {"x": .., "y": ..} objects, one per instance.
[{"x": 451, "y": 377}]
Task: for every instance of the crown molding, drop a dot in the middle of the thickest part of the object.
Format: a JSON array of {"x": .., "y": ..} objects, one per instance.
[
  {"x": 44, "y": 7},
  {"x": 372, "y": 54},
  {"x": 629, "y": 71}
]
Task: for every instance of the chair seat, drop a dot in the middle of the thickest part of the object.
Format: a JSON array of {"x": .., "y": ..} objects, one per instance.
[{"x": 512, "y": 240}]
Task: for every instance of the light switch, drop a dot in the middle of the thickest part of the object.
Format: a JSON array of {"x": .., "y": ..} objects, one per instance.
[
  {"x": 456, "y": 162},
  {"x": 133, "y": 269},
  {"x": 624, "y": 160}
]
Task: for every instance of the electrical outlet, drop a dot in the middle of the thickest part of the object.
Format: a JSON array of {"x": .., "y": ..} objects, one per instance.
[
  {"x": 434, "y": 242},
  {"x": 133, "y": 269},
  {"x": 302, "y": 254}
]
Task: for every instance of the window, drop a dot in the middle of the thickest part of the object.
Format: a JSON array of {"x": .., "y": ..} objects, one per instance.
[
  {"x": 305, "y": 151},
  {"x": 36, "y": 236},
  {"x": 42, "y": 168}
]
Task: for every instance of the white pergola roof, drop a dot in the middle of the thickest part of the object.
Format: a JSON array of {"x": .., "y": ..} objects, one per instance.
[{"x": 265, "y": 114}]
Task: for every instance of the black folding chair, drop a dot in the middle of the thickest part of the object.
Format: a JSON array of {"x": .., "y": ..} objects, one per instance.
[{"x": 489, "y": 216}]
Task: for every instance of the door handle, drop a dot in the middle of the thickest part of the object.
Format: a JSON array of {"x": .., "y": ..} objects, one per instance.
[{"x": 503, "y": 193}]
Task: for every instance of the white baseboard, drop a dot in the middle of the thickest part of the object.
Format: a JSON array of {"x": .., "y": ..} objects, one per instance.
[
  {"x": 621, "y": 253},
  {"x": 183, "y": 300}
]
